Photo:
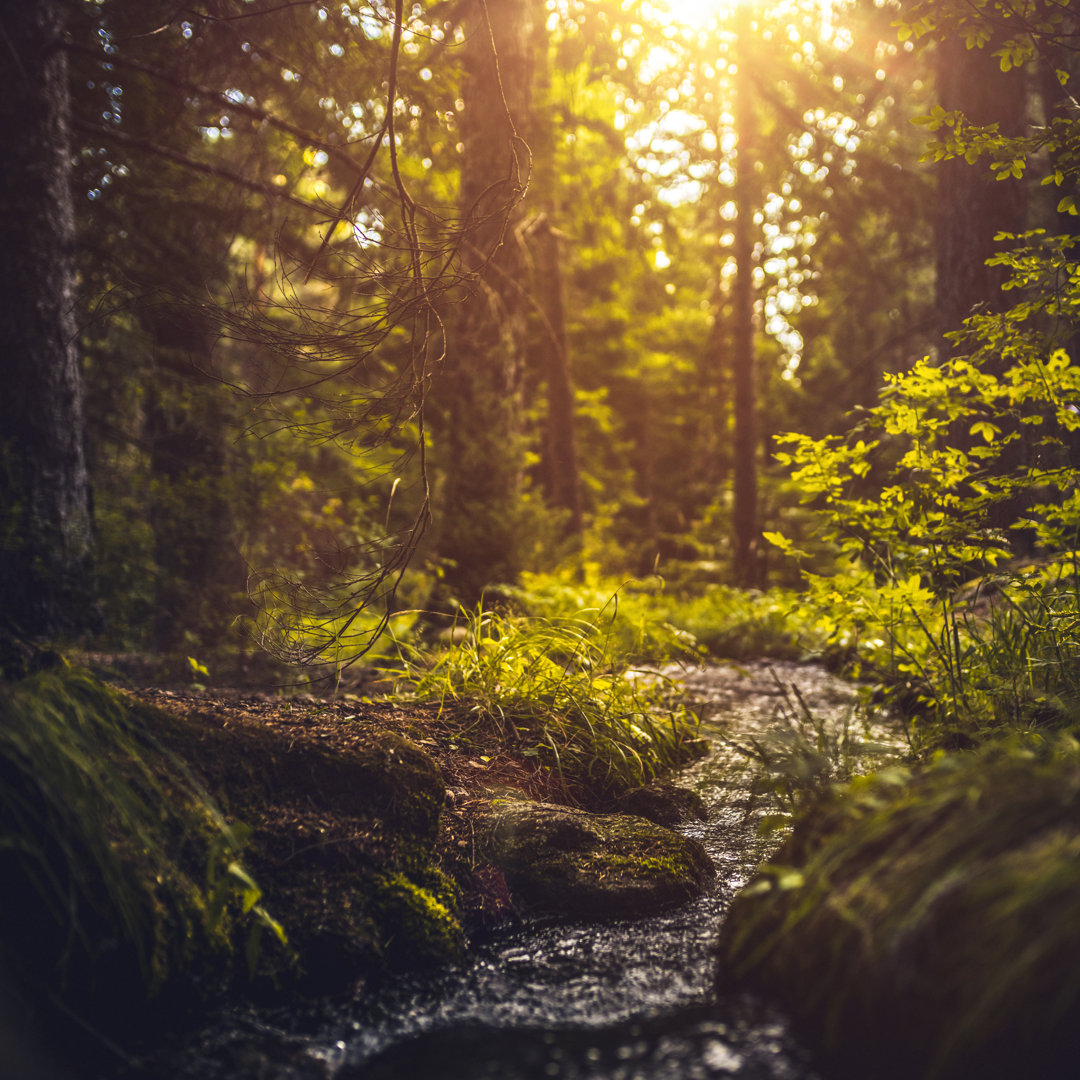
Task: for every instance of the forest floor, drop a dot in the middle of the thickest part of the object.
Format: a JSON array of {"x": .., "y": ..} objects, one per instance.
[
  {"x": 475, "y": 756},
  {"x": 289, "y": 766}
]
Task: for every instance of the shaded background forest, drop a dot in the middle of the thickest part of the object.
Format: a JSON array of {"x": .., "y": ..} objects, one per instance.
[
  {"x": 553, "y": 274},
  {"x": 624, "y": 332}
]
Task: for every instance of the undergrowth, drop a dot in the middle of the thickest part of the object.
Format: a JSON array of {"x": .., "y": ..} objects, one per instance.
[
  {"x": 651, "y": 622},
  {"x": 560, "y": 689},
  {"x": 112, "y": 852},
  {"x": 930, "y": 912}
]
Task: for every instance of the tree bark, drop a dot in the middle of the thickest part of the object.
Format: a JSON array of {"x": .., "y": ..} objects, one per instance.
[
  {"x": 45, "y": 519},
  {"x": 972, "y": 205},
  {"x": 561, "y": 477},
  {"x": 744, "y": 472},
  {"x": 550, "y": 347},
  {"x": 482, "y": 451}
]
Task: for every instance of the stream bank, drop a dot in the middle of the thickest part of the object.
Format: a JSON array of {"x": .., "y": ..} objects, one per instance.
[
  {"x": 926, "y": 923},
  {"x": 598, "y": 996},
  {"x": 185, "y": 831},
  {"x": 923, "y": 923}
]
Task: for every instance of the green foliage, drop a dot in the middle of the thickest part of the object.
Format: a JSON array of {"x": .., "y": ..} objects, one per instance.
[
  {"x": 631, "y": 612},
  {"x": 107, "y": 838},
  {"x": 653, "y": 621},
  {"x": 930, "y": 497},
  {"x": 559, "y": 688},
  {"x": 219, "y": 262},
  {"x": 739, "y": 624},
  {"x": 942, "y": 900}
]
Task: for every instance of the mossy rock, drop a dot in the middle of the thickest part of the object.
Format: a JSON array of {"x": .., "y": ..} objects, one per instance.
[
  {"x": 387, "y": 921},
  {"x": 664, "y": 804},
  {"x": 928, "y": 923},
  {"x": 418, "y": 924},
  {"x": 566, "y": 861}
]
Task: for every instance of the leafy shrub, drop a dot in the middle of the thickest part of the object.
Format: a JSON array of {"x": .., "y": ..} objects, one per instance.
[{"x": 955, "y": 506}]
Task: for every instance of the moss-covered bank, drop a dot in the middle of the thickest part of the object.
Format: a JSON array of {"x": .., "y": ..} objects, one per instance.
[
  {"x": 151, "y": 856},
  {"x": 927, "y": 924},
  {"x": 156, "y": 844}
]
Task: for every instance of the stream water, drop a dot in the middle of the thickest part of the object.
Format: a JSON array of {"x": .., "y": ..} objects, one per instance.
[{"x": 628, "y": 999}]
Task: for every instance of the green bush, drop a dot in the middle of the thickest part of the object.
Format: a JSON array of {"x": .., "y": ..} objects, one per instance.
[
  {"x": 927, "y": 922},
  {"x": 954, "y": 505}
]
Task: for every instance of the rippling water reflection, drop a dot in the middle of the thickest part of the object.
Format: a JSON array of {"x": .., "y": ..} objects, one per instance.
[{"x": 622, "y": 999}]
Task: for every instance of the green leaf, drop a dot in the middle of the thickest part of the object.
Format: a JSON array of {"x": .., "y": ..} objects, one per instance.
[
  {"x": 987, "y": 430},
  {"x": 778, "y": 540}
]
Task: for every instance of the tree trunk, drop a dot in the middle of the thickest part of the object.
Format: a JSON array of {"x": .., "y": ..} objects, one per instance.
[
  {"x": 562, "y": 480},
  {"x": 550, "y": 347},
  {"x": 972, "y": 208},
  {"x": 745, "y": 511},
  {"x": 199, "y": 573},
  {"x": 972, "y": 205},
  {"x": 479, "y": 508},
  {"x": 45, "y": 521}
]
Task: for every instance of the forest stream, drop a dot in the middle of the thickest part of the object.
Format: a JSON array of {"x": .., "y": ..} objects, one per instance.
[{"x": 619, "y": 999}]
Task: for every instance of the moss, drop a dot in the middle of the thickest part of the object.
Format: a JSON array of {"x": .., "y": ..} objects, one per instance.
[
  {"x": 568, "y": 861},
  {"x": 120, "y": 874},
  {"x": 417, "y": 925},
  {"x": 929, "y": 922}
]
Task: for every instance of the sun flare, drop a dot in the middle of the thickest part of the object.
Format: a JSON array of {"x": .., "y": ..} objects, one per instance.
[{"x": 700, "y": 12}]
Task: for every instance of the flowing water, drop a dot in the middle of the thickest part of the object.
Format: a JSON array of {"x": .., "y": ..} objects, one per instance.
[{"x": 627, "y": 999}]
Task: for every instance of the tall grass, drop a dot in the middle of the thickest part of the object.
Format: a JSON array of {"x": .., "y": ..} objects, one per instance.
[
  {"x": 561, "y": 691},
  {"x": 651, "y": 621},
  {"x": 109, "y": 845}
]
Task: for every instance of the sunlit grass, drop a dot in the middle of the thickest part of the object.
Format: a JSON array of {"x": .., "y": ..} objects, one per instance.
[
  {"x": 560, "y": 691},
  {"x": 654, "y": 623}
]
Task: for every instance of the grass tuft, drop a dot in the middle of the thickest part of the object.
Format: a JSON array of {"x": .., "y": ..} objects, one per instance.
[{"x": 558, "y": 689}]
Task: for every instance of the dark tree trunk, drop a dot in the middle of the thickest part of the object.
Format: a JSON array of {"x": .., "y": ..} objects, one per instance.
[
  {"x": 482, "y": 446},
  {"x": 744, "y": 472},
  {"x": 45, "y": 521},
  {"x": 972, "y": 205},
  {"x": 972, "y": 208},
  {"x": 561, "y": 478},
  {"x": 550, "y": 347},
  {"x": 1057, "y": 105},
  {"x": 199, "y": 573}
]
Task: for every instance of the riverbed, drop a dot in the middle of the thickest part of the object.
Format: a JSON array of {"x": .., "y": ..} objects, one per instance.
[{"x": 619, "y": 999}]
